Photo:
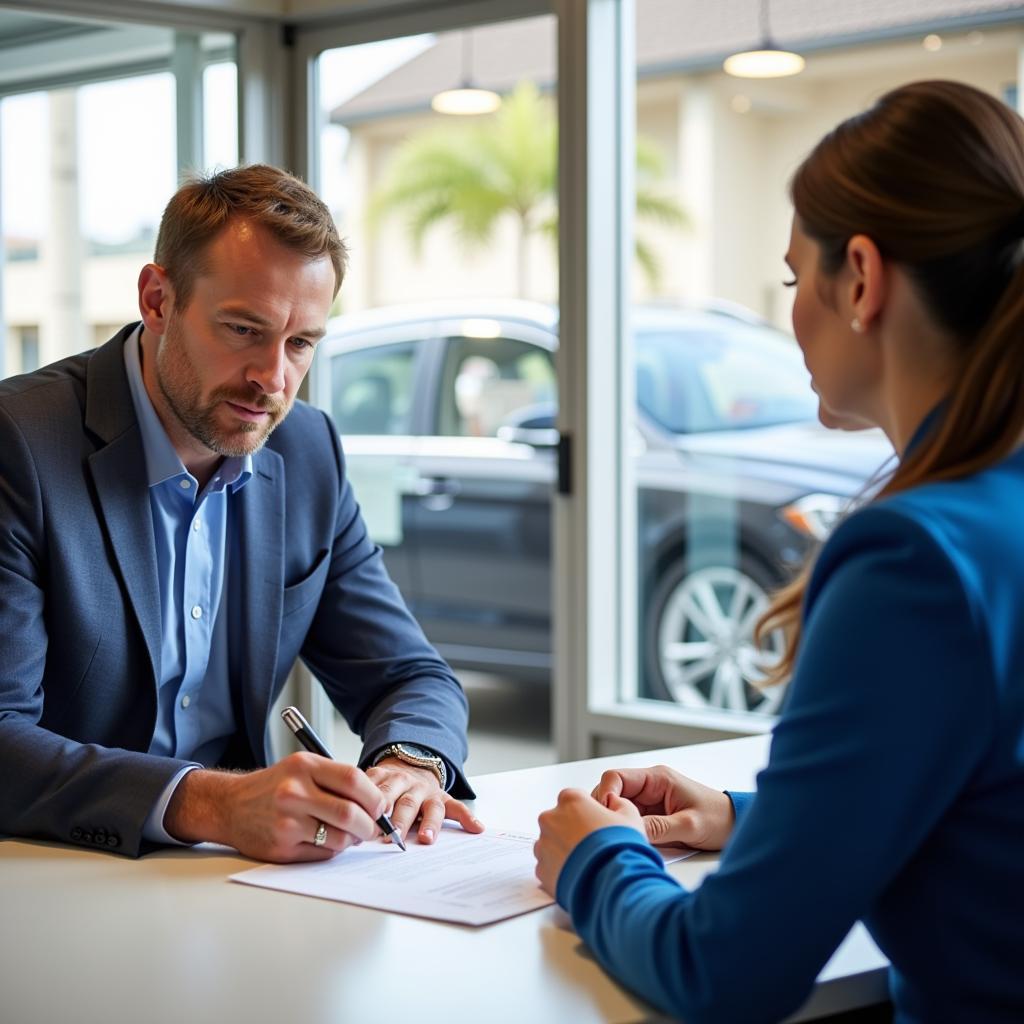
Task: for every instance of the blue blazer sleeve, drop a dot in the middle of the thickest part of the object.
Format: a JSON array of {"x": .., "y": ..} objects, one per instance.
[
  {"x": 889, "y": 713},
  {"x": 370, "y": 654}
]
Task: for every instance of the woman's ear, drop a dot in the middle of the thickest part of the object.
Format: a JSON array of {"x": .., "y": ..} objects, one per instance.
[
  {"x": 156, "y": 298},
  {"x": 865, "y": 284}
]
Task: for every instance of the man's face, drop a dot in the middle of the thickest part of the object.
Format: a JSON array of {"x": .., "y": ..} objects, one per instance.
[{"x": 229, "y": 365}]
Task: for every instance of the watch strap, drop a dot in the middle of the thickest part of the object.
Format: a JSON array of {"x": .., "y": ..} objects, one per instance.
[{"x": 432, "y": 761}]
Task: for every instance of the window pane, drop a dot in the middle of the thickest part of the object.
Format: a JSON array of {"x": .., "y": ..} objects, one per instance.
[
  {"x": 86, "y": 172},
  {"x": 732, "y": 454},
  {"x": 371, "y": 390},
  {"x": 493, "y": 384},
  {"x": 451, "y": 222}
]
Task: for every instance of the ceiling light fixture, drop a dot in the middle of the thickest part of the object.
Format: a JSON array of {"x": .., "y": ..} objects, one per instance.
[
  {"x": 766, "y": 62},
  {"x": 467, "y": 98}
]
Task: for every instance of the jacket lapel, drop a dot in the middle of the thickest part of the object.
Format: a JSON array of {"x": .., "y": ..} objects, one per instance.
[
  {"x": 261, "y": 514},
  {"x": 119, "y": 474}
]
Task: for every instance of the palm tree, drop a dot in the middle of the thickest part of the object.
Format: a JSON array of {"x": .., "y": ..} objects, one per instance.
[{"x": 505, "y": 164}]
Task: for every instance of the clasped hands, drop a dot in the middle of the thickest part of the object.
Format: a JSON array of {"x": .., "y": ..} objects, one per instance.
[
  {"x": 661, "y": 804},
  {"x": 273, "y": 814}
]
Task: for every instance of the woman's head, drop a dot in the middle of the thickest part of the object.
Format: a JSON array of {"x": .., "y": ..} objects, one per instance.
[
  {"x": 933, "y": 173},
  {"x": 928, "y": 183}
]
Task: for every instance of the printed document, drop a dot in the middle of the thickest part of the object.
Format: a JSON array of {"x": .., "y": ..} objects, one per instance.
[{"x": 465, "y": 878}]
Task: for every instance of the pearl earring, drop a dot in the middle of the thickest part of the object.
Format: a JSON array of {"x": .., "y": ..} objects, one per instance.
[{"x": 856, "y": 325}]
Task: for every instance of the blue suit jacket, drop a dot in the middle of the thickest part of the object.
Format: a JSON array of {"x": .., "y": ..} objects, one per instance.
[{"x": 80, "y": 610}]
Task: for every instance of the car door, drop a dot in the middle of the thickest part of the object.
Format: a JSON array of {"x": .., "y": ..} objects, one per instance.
[
  {"x": 483, "y": 518},
  {"x": 370, "y": 385}
]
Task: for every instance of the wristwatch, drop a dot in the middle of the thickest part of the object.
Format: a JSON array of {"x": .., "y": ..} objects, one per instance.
[{"x": 419, "y": 757}]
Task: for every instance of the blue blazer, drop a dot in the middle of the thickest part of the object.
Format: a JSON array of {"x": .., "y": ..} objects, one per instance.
[{"x": 80, "y": 630}]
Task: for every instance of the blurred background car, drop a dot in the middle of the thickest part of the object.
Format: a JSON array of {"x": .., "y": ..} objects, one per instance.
[{"x": 447, "y": 415}]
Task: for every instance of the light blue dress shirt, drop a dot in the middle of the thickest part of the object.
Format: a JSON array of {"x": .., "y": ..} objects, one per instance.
[{"x": 194, "y": 539}]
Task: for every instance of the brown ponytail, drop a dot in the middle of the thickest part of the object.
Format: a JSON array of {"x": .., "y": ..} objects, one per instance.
[{"x": 934, "y": 175}]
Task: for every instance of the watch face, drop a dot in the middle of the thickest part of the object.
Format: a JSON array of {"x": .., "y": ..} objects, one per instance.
[{"x": 411, "y": 748}]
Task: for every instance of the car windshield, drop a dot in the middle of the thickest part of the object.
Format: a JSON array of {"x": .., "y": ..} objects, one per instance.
[{"x": 716, "y": 373}]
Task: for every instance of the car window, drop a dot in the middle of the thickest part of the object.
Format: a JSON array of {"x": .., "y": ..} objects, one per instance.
[
  {"x": 725, "y": 375},
  {"x": 371, "y": 389},
  {"x": 488, "y": 383}
]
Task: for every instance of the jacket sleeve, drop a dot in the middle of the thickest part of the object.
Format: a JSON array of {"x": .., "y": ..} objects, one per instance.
[
  {"x": 371, "y": 656},
  {"x": 53, "y": 787},
  {"x": 890, "y": 711}
]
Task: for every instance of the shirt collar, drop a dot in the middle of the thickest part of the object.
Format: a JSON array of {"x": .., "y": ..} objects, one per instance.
[{"x": 162, "y": 461}]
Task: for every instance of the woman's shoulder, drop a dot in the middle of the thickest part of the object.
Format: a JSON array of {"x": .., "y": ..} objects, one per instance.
[{"x": 965, "y": 531}]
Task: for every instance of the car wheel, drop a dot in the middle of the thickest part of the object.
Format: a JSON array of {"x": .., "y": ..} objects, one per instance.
[{"x": 700, "y": 648}]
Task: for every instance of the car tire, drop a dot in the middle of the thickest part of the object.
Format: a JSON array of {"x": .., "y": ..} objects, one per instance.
[{"x": 699, "y": 648}]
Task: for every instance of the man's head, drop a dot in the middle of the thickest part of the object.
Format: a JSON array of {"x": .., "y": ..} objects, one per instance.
[
  {"x": 272, "y": 199},
  {"x": 247, "y": 265}
]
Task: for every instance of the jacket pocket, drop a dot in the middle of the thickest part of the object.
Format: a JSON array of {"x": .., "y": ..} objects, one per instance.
[{"x": 298, "y": 595}]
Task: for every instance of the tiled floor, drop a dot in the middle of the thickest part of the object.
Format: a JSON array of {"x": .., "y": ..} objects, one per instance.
[{"x": 509, "y": 726}]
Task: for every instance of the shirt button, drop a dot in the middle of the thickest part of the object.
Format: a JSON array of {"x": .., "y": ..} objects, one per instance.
[
  {"x": 197, "y": 612},
  {"x": 186, "y": 700},
  {"x": 185, "y": 484},
  {"x": 196, "y": 524}
]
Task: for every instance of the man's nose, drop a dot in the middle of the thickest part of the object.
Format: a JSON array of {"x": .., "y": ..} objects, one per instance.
[{"x": 267, "y": 370}]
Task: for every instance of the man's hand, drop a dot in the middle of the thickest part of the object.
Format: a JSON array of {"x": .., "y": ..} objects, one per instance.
[
  {"x": 571, "y": 821},
  {"x": 413, "y": 793},
  {"x": 273, "y": 814},
  {"x": 676, "y": 810}
]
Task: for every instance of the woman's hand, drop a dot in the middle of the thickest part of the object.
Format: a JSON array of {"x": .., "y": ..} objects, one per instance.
[
  {"x": 572, "y": 820},
  {"x": 675, "y": 810}
]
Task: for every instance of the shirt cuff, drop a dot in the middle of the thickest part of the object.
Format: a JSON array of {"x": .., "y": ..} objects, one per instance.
[
  {"x": 153, "y": 831},
  {"x": 740, "y": 802}
]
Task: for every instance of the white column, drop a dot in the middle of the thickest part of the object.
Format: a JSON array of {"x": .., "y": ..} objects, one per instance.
[{"x": 61, "y": 330}]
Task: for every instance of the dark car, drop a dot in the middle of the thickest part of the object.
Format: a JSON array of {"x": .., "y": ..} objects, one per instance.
[{"x": 447, "y": 414}]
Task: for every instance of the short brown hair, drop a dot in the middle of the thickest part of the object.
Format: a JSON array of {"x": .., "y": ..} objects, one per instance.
[{"x": 274, "y": 199}]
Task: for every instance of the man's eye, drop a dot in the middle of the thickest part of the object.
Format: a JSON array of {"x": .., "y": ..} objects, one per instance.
[
  {"x": 302, "y": 343},
  {"x": 791, "y": 283},
  {"x": 240, "y": 329}
]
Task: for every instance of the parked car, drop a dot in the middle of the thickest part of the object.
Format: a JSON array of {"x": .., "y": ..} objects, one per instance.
[{"x": 447, "y": 415}]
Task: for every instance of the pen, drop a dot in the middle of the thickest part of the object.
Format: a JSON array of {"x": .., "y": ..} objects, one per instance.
[{"x": 296, "y": 721}]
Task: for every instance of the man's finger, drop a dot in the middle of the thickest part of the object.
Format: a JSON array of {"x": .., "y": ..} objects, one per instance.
[
  {"x": 431, "y": 819},
  {"x": 335, "y": 840},
  {"x": 342, "y": 815},
  {"x": 348, "y": 781},
  {"x": 456, "y": 810},
  {"x": 405, "y": 811}
]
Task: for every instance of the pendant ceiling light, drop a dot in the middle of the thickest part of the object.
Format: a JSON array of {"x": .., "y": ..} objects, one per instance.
[
  {"x": 766, "y": 62},
  {"x": 467, "y": 99}
]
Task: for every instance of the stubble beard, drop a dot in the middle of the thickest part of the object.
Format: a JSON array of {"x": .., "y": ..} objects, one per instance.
[{"x": 180, "y": 386}]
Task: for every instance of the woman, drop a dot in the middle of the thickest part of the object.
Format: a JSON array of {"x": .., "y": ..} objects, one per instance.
[{"x": 895, "y": 788}]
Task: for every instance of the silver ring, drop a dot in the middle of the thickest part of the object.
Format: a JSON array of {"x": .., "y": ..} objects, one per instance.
[{"x": 321, "y": 835}]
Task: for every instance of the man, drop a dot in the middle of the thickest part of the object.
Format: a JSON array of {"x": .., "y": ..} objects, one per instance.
[{"x": 175, "y": 529}]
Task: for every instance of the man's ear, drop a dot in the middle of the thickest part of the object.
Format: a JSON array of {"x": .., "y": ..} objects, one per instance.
[
  {"x": 156, "y": 298},
  {"x": 865, "y": 284}
]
